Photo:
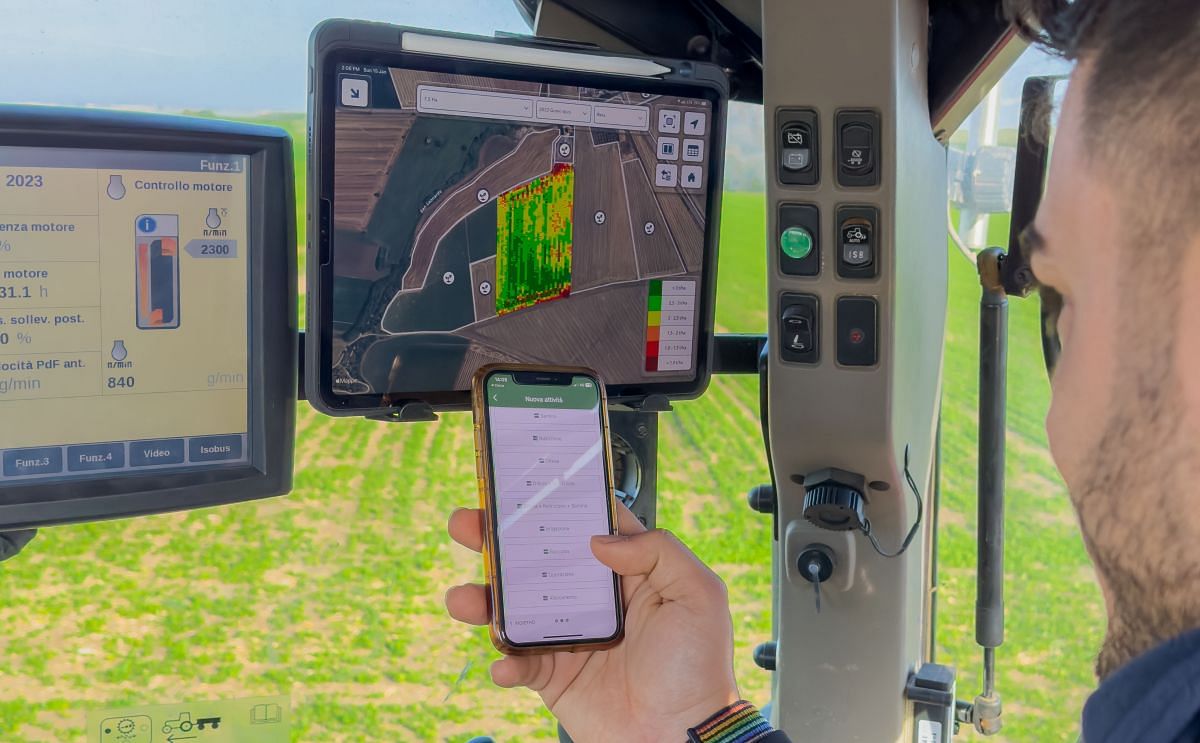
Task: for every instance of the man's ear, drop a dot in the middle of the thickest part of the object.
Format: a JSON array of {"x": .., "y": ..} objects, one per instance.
[{"x": 12, "y": 542}]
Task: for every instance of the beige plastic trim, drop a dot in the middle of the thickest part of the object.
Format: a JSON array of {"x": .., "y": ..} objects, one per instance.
[
  {"x": 556, "y": 22},
  {"x": 840, "y": 674}
]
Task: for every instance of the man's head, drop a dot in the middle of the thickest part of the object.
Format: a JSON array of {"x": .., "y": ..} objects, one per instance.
[{"x": 1118, "y": 235}]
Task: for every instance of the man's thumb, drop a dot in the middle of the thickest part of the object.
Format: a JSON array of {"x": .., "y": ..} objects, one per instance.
[{"x": 667, "y": 564}]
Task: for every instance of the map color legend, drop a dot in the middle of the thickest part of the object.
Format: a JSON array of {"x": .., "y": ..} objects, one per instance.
[{"x": 670, "y": 317}]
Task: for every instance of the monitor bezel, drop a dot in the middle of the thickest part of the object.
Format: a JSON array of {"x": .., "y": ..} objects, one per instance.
[{"x": 272, "y": 320}]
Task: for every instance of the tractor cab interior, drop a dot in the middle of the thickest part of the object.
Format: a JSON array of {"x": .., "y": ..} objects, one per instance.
[{"x": 736, "y": 213}]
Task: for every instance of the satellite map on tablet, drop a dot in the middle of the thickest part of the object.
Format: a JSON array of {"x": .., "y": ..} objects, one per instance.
[{"x": 477, "y": 215}]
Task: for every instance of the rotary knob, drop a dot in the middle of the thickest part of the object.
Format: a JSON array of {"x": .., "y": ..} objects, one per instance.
[{"x": 834, "y": 507}]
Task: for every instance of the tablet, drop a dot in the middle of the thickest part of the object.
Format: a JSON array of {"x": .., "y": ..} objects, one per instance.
[
  {"x": 482, "y": 200},
  {"x": 147, "y": 314}
]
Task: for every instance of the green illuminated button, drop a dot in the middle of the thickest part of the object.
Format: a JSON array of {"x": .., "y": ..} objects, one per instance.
[{"x": 796, "y": 242}]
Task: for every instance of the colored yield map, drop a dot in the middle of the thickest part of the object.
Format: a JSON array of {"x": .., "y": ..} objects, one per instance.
[{"x": 533, "y": 241}]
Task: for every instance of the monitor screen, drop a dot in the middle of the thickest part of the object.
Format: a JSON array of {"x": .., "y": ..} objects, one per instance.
[
  {"x": 482, "y": 219},
  {"x": 124, "y": 312}
]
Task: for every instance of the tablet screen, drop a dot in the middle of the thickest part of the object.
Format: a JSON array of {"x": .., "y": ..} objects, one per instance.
[
  {"x": 479, "y": 219},
  {"x": 123, "y": 312}
]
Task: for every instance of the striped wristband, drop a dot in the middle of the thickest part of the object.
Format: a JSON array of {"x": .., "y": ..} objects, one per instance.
[{"x": 740, "y": 722}]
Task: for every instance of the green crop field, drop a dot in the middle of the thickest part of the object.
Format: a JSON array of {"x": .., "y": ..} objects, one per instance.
[
  {"x": 332, "y": 594},
  {"x": 533, "y": 241}
]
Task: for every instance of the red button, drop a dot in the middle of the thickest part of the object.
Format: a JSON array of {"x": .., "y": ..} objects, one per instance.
[{"x": 857, "y": 336}]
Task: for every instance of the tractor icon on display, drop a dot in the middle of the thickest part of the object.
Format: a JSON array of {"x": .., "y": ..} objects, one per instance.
[
  {"x": 184, "y": 724},
  {"x": 181, "y": 724}
]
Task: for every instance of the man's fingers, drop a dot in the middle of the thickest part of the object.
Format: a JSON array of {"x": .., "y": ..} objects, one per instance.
[
  {"x": 466, "y": 527},
  {"x": 669, "y": 566},
  {"x": 468, "y": 603},
  {"x": 511, "y": 671},
  {"x": 533, "y": 671}
]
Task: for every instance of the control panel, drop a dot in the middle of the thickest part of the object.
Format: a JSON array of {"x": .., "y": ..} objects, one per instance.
[
  {"x": 799, "y": 328},
  {"x": 799, "y": 162},
  {"x": 857, "y": 331},
  {"x": 858, "y": 154},
  {"x": 856, "y": 251},
  {"x": 799, "y": 239},
  {"x": 857, "y": 256},
  {"x": 854, "y": 175}
]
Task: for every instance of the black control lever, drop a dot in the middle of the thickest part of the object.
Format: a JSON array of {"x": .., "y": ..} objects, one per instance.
[
  {"x": 765, "y": 655},
  {"x": 816, "y": 566}
]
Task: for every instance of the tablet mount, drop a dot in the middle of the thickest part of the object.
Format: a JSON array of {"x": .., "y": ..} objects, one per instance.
[{"x": 633, "y": 424}]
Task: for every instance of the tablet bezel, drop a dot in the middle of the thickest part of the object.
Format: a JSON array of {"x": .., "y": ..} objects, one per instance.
[{"x": 337, "y": 42}]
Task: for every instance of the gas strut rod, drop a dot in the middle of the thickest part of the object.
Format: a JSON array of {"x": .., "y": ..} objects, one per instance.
[{"x": 984, "y": 712}]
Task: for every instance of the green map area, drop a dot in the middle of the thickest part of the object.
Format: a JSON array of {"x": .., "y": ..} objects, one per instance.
[{"x": 533, "y": 241}]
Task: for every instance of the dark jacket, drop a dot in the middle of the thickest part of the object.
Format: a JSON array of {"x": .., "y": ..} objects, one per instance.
[{"x": 1153, "y": 699}]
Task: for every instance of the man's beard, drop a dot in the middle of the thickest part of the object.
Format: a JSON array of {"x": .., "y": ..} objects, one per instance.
[{"x": 1137, "y": 502}]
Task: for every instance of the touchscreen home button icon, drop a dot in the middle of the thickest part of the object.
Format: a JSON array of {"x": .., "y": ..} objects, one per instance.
[{"x": 356, "y": 92}]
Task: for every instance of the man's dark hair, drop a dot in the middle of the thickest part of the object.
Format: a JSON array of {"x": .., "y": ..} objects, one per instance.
[
  {"x": 1142, "y": 107},
  {"x": 1135, "y": 33}
]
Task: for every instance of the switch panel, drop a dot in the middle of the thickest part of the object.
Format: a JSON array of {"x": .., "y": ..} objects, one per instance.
[
  {"x": 797, "y": 147},
  {"x": 857, "y": 331},
  {"x": 798, "y": 239},
  {"x": 857, "y": 242},
  {"x": 857, "y": 152},
  {"x": 799, "y": 328}
]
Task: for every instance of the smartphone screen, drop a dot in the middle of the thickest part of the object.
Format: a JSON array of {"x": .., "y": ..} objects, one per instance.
[{"x": 549, "y": 465}]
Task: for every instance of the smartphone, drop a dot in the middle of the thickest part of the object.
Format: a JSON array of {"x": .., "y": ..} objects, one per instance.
[{"x": 545, "y": 486}]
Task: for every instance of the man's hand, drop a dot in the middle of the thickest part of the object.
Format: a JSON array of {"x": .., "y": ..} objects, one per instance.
[{"x": 673, "y": 669}]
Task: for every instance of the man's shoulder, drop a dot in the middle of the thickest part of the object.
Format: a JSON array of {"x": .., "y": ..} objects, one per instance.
[{"x": 1153, "y": 697}]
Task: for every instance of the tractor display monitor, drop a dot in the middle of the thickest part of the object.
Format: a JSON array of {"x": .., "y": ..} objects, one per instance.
[
  {"x": 130, "y": 359},
  {"x": 98, "y": 251},
  {"x": 475, "y": 212}
]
